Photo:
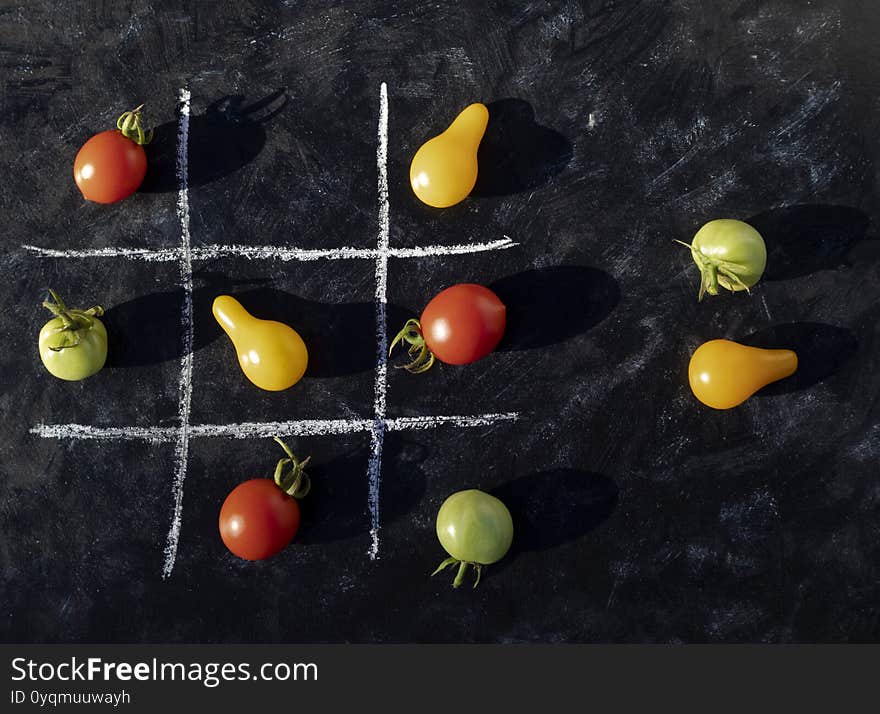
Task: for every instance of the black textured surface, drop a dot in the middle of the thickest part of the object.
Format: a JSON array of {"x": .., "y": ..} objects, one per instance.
[{"x": 616, "y": 127}]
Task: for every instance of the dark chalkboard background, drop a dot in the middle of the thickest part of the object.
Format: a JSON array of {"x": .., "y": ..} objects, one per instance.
[{"x": 615, "y": 128}]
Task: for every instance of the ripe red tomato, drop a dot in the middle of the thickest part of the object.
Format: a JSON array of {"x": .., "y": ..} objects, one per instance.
[
  {"x": 109, "y": 167},
  {"x": 463, "y": 323},
  {"x": 258, "y": 520},
  {"x": 261, "y": 516}
]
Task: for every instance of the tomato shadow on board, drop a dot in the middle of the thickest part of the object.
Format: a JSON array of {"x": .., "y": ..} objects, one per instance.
[
  {"x": 516, "y": 153},
  {"x": 805, "y": 238},
  {"x": 147, "y": 329},
  {"x": 336, "y": 508},
  {"x": 821, "y": 349},
  {"x": 226, "y": 137},
  {"x": 341, "y": 337},
  {"x": 549, "y": 305},
  {"x": 554, "y": 507}
]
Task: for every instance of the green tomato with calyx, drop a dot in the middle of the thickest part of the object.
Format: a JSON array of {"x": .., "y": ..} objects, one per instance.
[
  {"x": 475, "y": 529},
  {"x": 730, "y": 254},
  {"x": 73, "y": 344}
]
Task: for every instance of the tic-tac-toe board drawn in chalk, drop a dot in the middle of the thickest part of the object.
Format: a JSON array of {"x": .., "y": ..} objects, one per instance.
[{"x": 185, "y": 255}]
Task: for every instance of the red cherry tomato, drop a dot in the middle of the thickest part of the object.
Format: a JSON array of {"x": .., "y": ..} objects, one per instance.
[
  {"x": 111, "y": 165},
  {"x": 463, "y": 323},
  {"x": 460, "y": 325},
  {"x": 258, "y": 520},
  {"x": 261, "y": 516}
]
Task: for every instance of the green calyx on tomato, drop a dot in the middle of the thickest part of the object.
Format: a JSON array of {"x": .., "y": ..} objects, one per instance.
[
  {"x": 421, "y": 358},
  {"x": 129, "y": 123},
  {"x": 460, "y": 325},
  {"x": 462, "y": 570},
  {"x": 476, "y": 529},
  {"x": 730, "y": 254},
  {"x": 73, "y": 344},
  {"x": 290, "y": 475}
]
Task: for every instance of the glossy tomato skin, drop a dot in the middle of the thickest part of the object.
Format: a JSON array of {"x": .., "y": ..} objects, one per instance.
[
  {"x": 463, "y": 323},
  {"x": 728, "y": 241},
  {"x": 723, "y": 374},
  {"x": 109, "y": 167},
  {"x": 474, "y": 527},
  {"x": 272, "y": 355},
  {"x": 258, "y": 520}
]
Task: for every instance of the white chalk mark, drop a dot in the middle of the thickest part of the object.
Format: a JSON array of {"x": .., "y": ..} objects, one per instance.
[
  {"x": 814, "y": 105},
  {"x": 460, "y": 249},
  {"x": 766, "y": 308},
  {"x": 181, "y": 451},
  {"x": 430, "y": 422},
  {"x": 158, "y": 256},
  {"x": 380, "y": 385},
  {"x": 304, "y": 427},
  {"x": 155, "y": 434},
  {"x": 258, "y": 430},
  {"x": 271, "y": 252},
  {"x": 682, "y": 159}
]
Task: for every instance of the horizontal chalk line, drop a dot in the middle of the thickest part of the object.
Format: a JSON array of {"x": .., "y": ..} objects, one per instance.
[
  {"x": 155, "y": 434},
  {"x": 270, "y": 252},
  {"x": 247, "y": 430},
  {"x": 460, "y": 249},
  {"x": 165, "y": 255},
  {"x": 430, "y": 422},
  {"x": 306, "y": 427}
]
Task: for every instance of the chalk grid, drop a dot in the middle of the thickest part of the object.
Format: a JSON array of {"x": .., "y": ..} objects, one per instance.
[{"x": 185, "y": 254}]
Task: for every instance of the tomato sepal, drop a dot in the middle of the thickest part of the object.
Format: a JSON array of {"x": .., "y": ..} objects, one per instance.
[
  {"x": 129, "y": 124},
  {"x": 290, "y": 475},
  {"x": 463, "y": 565},
  {"x": 710, "y": 269},
  {"x": 74, "y": 323},
  {"x": 421, "y": 357}
]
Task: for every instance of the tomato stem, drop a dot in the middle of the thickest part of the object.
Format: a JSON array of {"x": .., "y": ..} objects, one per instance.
[
  {"x": 710, "y": 268},
  {"x": 293, "y": 480},
  {"x": 709, "y": 279},
  {"x": 462, "y": 570},
  {"x": 459, "y": 576},
  {"x": 129, "y": 123},
  {"x": 59, "y": 309},
  {"x": 421, "y": 358},
  {"x": 73, "y": 322}
]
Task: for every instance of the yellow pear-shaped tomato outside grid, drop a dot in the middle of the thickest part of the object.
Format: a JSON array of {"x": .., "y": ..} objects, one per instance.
[
  {"x": 271, "y": 354},
  {"x": 723, "y": 374},
  {"x": 444, "y": 170}
]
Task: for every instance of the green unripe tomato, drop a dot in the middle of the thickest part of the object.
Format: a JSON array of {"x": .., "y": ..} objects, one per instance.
[
  {"x": 73, "y": 344},
  {"x": 729, "y": 253},
  {"x": 475, "y": 529}
]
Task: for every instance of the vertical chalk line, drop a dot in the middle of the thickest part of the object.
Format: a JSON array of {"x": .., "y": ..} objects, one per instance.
[
  {"x": 377, "y": 434},
  {"x": 181, "y": 451}
]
